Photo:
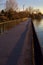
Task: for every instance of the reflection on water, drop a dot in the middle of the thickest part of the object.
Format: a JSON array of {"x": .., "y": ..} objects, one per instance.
[{"x": 39, "y": 29}]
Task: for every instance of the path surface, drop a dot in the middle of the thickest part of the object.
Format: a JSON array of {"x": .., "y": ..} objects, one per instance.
[{"x": 16, "y": 45}]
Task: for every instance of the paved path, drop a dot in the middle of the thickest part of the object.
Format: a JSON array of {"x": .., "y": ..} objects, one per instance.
[{"x": 16, "y": 45}]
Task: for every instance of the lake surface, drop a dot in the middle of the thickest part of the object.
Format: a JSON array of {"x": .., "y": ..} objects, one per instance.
[{"x": 38, "y": 24}]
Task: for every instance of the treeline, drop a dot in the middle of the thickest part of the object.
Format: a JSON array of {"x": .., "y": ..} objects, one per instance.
[
  {"x": 12, "y": 15},
  {"x": 11, "y": 12},
  {"x": 36, "y": 15}
]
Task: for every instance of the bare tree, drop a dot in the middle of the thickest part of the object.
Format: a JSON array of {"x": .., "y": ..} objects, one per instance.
[
  {"x": 30, "y": 10},
  {"x": 11, "y": 4}
]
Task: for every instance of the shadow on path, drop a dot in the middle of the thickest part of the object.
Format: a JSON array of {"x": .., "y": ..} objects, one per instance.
[{"x": 15, "y": 54}]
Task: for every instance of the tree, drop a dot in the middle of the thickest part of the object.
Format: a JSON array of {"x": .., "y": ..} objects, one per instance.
[
  {"x": 11, "y": 4},
  {"x": 2, "y": 12},
  {"x": 30, "y": 10}
]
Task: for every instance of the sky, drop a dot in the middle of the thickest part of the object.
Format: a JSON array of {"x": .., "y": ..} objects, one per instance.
[{"x": 33, "y": 3}]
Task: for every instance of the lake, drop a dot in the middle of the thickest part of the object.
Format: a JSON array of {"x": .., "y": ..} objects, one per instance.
[{"x": 38, "y": 24}]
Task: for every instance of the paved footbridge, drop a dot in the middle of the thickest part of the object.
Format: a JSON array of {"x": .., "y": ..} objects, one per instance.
[{"x": 16, "y": 45}]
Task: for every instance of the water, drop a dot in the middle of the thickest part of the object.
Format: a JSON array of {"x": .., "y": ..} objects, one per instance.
[{"x": 38, "y": 24}]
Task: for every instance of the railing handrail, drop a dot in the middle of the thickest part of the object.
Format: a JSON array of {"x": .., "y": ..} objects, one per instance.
[
  {"x": 10, "y": 21},
  {"x": 4, "y": 26}
]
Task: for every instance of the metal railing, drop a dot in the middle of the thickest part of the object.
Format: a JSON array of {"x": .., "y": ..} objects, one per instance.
[{"x": 4, "y": 26}]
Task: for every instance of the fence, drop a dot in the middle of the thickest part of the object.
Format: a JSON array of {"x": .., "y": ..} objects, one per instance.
[{"x": 4, "y": 26}]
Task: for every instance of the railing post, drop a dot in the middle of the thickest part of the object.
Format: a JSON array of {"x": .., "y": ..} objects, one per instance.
[
  {"x": 3, "y": 27},
  {"x": 0, "y": 29}
]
